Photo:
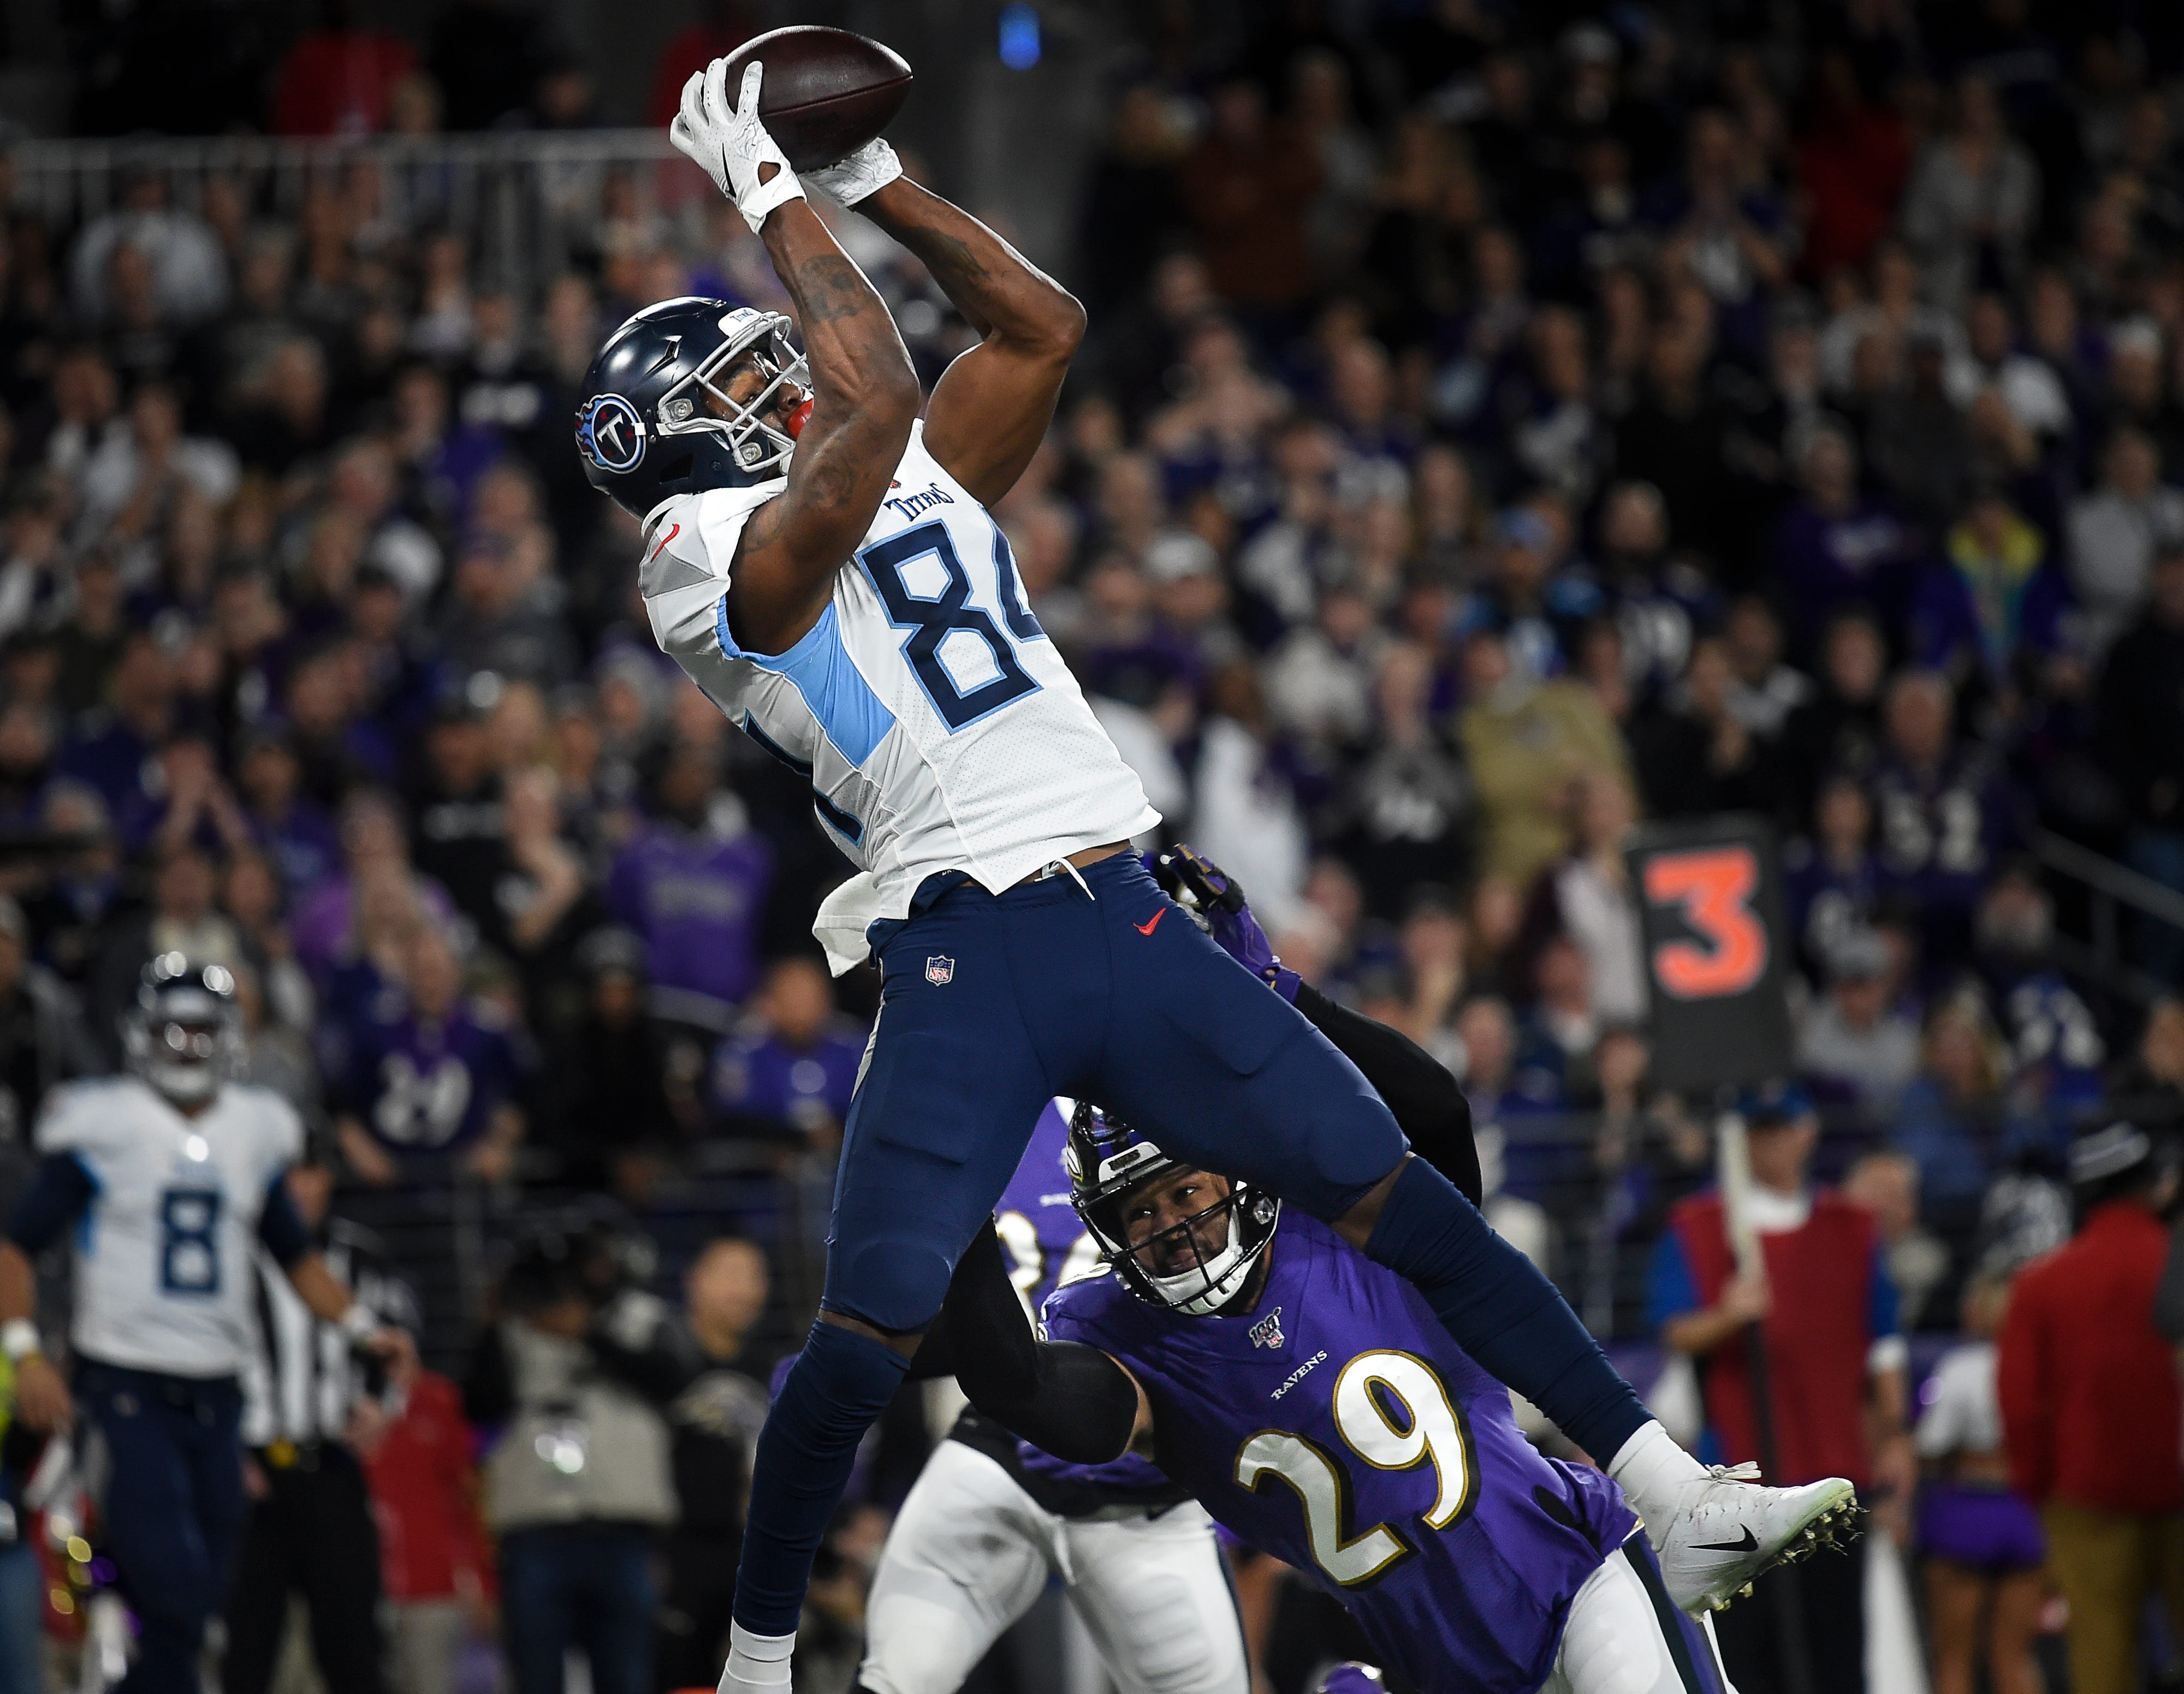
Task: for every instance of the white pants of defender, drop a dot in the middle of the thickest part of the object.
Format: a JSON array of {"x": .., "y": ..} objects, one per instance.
[
  {"x": 970, "y": 1551},
  {"x": 1614, "y": 1642}
]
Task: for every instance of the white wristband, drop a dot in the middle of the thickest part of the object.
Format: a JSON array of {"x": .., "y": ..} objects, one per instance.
[
  {"x": 18, "y": 1338},
  {"x": 767, "y": 196},
  {"x": 359, "y": 1322}
]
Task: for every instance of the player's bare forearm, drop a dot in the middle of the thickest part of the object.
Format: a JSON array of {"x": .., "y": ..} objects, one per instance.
[
  {"x": 1003, "y": 295},
  {"x": 864, "y": 397},
  {"x": 990, "y": 408},
  {"x": 18, "y": 1284},
  {"x": 319, "y": 1289},
  {"x": 1695, "y": 1334}
]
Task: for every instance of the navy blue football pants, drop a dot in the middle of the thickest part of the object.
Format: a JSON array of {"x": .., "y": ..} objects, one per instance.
[
  {"x": 994, "y": 1004},
  {"x": 171, "y": 1509}
]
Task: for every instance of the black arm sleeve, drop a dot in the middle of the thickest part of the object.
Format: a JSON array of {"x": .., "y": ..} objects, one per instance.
[
  {"x": 936, "y": 1354},
  {"x": 60, "y": 1188},
  {"x": 1428, "y": 1106},
  {"x": 281, "y": 1227},
  {"x": 1064, "y": 1398}
]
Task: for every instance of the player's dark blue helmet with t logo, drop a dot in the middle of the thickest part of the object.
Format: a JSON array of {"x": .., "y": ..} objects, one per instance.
[
  {"x": 688, "y": 395},
  {"x": 1195, "y": 1263},
  {"x": 184, "y": 1035}
]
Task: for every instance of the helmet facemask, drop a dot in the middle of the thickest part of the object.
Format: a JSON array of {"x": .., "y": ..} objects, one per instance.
[
  {"x": 1196, "y": 1264},
  {"x": 185, "y": 1037},
  {"x": 755, "y": 443}
]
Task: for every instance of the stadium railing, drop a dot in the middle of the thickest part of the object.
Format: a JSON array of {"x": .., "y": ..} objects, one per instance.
[
  {"x": 527, "y": 201},
  {"x": 449, "y": 1235},
  {"x": 1591, "y": 1207}
]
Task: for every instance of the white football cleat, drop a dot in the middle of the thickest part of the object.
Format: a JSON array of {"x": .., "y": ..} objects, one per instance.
[{"x": 1722, "y": 1529}]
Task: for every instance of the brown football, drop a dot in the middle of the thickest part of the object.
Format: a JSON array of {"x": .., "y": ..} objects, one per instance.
[{"x": 827, "y": 91}]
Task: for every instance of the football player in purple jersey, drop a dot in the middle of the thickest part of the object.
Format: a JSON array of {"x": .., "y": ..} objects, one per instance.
[
  {"x": 992, "y": 1517},
  {"x": 1310, "y": 1400}
]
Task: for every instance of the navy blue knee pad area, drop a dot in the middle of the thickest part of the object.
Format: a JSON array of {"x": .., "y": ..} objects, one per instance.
[
  {"x": 1503, "y": 1311},
  {"x": 842, "y": 1381}
]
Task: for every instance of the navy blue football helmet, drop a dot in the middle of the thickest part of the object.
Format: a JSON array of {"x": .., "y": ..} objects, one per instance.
[
  {"x": 658, "y": 420},
  {"x": 184, "y": 1034},
  {"x": 1107, "y": 1162}
]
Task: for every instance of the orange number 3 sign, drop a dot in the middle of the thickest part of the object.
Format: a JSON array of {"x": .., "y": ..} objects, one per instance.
[{"x": 1714, "y": 886}]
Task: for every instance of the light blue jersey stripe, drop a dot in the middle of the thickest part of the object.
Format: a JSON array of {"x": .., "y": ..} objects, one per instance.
[{"x": 834, "y": 691}]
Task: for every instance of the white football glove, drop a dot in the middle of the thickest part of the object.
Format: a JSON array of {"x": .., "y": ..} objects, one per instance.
[
  {"x": 870, "y": 169},
  {"x": 731, "y": 143}
]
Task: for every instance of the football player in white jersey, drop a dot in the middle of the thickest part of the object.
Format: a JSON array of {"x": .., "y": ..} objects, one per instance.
[
  {"x": 819, "y": 561},
  {"x": 167, "y": 1176}
]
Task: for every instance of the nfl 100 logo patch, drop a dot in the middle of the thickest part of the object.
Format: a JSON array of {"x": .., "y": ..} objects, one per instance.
[
  {"x": 1268, "y": 1331},
  {"x": 940, "y": 970}
]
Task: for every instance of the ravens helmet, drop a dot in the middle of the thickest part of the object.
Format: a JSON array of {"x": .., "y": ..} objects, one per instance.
[
  {"x": 1107, "y": 1162},
  {"x": 661, "y": 421},
  {"x": 184, "y": 1035}
]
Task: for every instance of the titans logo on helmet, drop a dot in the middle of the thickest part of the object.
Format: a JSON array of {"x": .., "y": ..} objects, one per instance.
[{"x": 610, "y": 433}]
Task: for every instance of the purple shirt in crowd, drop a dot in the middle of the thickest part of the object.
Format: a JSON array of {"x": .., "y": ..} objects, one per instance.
[
  {"x": 698, "y": 898},
  {"x": 429, "y": 1086}
]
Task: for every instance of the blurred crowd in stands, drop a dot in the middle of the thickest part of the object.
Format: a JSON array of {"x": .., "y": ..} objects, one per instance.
[{"x": 1499, "y": 427}]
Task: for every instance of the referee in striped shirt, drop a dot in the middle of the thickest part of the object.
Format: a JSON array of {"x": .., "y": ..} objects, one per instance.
[{"x": 309, "y": 1406}]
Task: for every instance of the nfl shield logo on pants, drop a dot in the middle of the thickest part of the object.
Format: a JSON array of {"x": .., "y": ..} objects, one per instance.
[{"x": 940, "y": 970}]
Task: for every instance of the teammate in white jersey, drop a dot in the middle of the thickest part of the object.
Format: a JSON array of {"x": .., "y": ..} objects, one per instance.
[
  {"x": 822, "y": 567},
  {"x": 168, "y": 1177}
]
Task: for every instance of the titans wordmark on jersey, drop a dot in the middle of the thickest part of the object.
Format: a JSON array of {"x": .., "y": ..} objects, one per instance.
[
  {"x": 163, "y": 1251},
  {"x": 937, "y": 725}
]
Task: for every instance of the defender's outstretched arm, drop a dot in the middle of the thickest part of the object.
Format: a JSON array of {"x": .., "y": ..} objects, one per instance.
[{"x": 991, "y": 407}]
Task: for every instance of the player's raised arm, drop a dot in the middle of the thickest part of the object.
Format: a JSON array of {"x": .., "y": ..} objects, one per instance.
[
  {"x": 991, "y": 407},
  {"x": 865, "y": 394}
]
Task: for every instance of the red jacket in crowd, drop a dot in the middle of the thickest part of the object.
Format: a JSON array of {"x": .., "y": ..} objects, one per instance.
[
  {"x": 424, "y": 1484},
  {"x": 340, "y": 82},
  {"x": 2091, "y": 1410},
  {"x": 1819, "y": 1331}
]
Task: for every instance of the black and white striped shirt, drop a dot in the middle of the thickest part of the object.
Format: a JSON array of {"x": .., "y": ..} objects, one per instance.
[{"x": 301, "y": 1382}]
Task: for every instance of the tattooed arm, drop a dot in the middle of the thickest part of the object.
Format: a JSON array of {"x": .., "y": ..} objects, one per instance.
[
  {"x": 991, "y": 407},
  {"x": 864, "y": 400}
]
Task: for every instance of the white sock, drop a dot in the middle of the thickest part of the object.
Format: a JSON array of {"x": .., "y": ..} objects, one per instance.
[
  {"x": 1649, "y": 1469},
  {"x": 755, "y": 1660}
]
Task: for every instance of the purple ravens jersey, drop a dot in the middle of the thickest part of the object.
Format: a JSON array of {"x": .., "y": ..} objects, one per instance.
[
  {"x": 1336, "y": 1426},
  {"x": 429, "y": 1088},
  {"x": 1050, "y": 1246},
  {"x": 758, "y": 1075},
  {"x": 698, "y": 897}
]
